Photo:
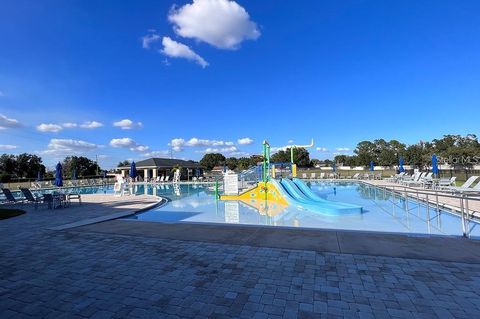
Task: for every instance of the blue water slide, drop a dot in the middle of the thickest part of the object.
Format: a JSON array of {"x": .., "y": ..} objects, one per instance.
[
  {"x": 307, "y": 190},
  {"x": 295, "y": 197}
]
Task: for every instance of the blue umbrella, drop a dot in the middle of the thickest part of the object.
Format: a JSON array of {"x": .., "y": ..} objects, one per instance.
[
  {"x": 400, "y": 166},
  {"x": 74, "y": 174},
  {"x": 334, "y": 167},
  {"x": 372, "y": 166},
  {"x": 58, "y": 175},
  {"x": 133, "y": 170},
  {"x": 434, "y": 165},
  {"x": 39, "y": 176},
  {"x": 197, "y": 172},
  {"x": 104, "y": 174}
]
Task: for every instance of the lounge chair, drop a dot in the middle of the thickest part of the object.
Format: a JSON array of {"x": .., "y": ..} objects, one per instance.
[
  {"x": 9, "y": 196},
  {"x": 465, "y": 186},
  {"x": 427, "y": 180},
  {"x": 313, "y": 175},
  {"x": 475, "y": 189},
  {"x": 322, "y": 175},
  {"x": 446, "y": 182},
  {"x": 356, "y": 176},
  {"x": 304, "y": 175},
  {"x": 167, "y": 178},
  {"x": 30, "y": 197},
  {"x": 412, "y": 180}
]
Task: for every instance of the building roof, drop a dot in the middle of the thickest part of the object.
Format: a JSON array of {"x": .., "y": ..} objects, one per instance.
[{"x": 164, "y": 163}]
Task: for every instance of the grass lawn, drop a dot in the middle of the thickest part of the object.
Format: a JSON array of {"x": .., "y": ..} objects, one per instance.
[{"x": 6, "y": 213}]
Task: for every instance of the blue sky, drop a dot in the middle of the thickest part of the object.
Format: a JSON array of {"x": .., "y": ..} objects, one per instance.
[{"x": 220, "y": 75}]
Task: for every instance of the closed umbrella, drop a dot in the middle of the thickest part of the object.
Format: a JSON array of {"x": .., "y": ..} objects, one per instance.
[
  {"x": 372, "y": 166},
  {"x": 104, "y": 174},
  {"x": 434, "y": 165},
  {"x": 74, "y": 174},
  {"x": 58, "y": 175},
  {"x": 334, "y": 167},
  {"x": 400, "y": 166},
  {"x": 133, "y": 170},
  {"x": 39, "y": 176}
]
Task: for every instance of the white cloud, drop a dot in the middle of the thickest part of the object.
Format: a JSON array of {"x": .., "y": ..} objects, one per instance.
[
  {"x": 91, "y": 124},
  {"x": 245, "y": 141},
  {"x": 54, "y": 128},
  {"x": 127, "y": 124},
  {"x": 290, "y": 142},
  {"x": 322, "y": 149},
  {"x": 2, "y": 94},
  {"x": 149, "y": 39},
  {"x": 69, "y": 125},
  {"x": 176, "y": 49},
  {"x": 280, "y": 148},
  {"x": 202, "y": 142},
  {"x": 129, "y": 143},
  {"x": 342, "y": 149},
  {"x": 156, "y": 153},
  {"x": 6, "y": 122},
  {"x": 230, "y": 149},
  {"x": 221, "y": 23},
  {"x": 68, "y": 146},
  {"x": 7, "y": 147},
  {"x": 178, "y": 144}
]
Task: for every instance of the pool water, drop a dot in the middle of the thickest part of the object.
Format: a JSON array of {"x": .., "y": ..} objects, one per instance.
[{"x": 382, "y": 210}]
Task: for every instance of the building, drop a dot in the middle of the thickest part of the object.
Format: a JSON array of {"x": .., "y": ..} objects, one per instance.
[{"x": 154, "y": 167}]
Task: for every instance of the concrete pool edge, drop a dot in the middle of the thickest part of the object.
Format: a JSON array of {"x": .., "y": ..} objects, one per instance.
[
  {"x": 85, "y": 222},
  {"x": 438, "y": 248}
]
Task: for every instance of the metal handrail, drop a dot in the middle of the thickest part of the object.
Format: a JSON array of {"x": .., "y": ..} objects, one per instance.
[{"x": 462, "y": 197}]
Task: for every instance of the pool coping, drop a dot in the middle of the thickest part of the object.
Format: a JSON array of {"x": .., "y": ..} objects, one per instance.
[{"x": 160, "y": 202}]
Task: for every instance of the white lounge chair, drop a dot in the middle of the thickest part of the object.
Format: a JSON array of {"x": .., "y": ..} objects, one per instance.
[
  {"x": 312, "y": 175},
  {"x": 322, "y": 175},
  {"x": 415, "y": 180},
  {"x": 167, "y": 178},
  {"x": 446, "y": 182},
  {"x": 465, "y": 186}
]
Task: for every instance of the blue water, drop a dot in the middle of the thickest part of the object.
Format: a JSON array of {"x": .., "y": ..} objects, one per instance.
[{"x": 382, "y": 211}]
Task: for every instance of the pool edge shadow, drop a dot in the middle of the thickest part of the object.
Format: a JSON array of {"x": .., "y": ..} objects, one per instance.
[{"x": 438, "y": 248}]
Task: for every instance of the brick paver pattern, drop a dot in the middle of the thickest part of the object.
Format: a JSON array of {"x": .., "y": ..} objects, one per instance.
[{"x": 72, "y": 274}]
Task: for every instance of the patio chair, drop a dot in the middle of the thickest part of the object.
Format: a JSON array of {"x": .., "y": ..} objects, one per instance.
[
  {"x": 304, "y": 175},
  {"x": 313, "y": 175},
  {"x": 465, "y": 186},
  {"x": 475, "y": 189},
  {"x": 413, "y": 179},
  {"x": 322, "y": 175},
  {"x": 9, "y": 196},
  {"x": 30, "y": 197},
  {"x": 446, "y": 182}
]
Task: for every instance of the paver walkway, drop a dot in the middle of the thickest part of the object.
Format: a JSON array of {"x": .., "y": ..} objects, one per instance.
[{"x": 71, "y": 274}]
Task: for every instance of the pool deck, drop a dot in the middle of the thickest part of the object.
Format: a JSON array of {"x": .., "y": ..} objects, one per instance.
[{"x": 55, "y": 265}]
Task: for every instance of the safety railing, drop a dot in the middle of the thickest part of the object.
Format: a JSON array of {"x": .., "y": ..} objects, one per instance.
[{"x": 432, "y": 197}]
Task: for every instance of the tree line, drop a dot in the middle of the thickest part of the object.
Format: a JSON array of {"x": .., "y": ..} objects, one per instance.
[
  {"x": 457, "y": 150},
  {"x": 31, "y": 166}
]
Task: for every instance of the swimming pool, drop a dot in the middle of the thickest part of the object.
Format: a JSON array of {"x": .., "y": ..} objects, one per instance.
[{"x": 382, "y": 210}]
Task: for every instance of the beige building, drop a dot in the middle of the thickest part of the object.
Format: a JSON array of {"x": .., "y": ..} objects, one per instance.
[{"x": 154, "y": 167}]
